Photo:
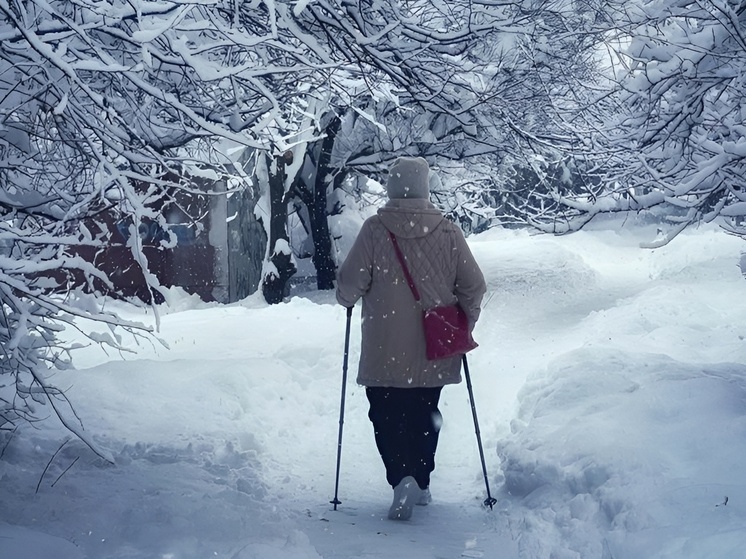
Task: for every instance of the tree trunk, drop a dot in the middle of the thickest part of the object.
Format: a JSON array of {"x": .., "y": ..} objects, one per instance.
[
  {"x": 317, "y": 210},
  {"x": 276, "y": 286}
]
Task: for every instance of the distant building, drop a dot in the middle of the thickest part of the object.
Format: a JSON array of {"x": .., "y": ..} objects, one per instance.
[{"x": 218, "y": 255}]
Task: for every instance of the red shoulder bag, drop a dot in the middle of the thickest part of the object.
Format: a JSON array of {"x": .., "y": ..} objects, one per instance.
[{"x": 447, "y": 331}]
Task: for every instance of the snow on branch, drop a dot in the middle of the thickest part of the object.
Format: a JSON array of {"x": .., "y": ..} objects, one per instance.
[{"x": 669, "y": 132}]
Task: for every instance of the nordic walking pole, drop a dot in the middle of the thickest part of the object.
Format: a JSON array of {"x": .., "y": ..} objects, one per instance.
[
  {"x": 490, "y": 500},
  {"x": 336, "y": 500}
]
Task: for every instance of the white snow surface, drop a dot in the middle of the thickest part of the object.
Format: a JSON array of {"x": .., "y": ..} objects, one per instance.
[{"x": 610, "y": 385}]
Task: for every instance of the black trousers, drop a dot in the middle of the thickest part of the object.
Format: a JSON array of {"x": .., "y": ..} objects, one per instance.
[{"x": 406, "y": 422}]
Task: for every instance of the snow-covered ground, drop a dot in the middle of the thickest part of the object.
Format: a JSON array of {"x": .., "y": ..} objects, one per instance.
[{"x": 610, "y": 386}]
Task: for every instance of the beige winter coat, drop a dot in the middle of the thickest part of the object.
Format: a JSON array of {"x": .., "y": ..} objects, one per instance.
[{"x": 445, "y": 272}]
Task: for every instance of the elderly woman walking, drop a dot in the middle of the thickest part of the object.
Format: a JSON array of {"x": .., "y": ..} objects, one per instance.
[{"x": 402, "y": 385}]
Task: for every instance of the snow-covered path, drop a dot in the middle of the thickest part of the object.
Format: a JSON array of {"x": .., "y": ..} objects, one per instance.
[{"x": 225, "y": 443}]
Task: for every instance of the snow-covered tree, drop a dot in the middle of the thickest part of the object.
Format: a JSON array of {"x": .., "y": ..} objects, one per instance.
[
  {"x": 400, "y": 88},
  {"x": 107, "y": 112},
  {"x": 520, "y": 80},
  {"x": 670, "y": 133}
]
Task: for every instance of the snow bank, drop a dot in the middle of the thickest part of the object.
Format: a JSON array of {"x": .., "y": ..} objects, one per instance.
[
  {"x": 612, "y": 449},
  {"x": 630, "y": 445}
]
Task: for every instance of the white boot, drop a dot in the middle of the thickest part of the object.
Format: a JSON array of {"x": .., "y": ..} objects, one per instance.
[
  {"x": 425, "y": 497},
  {"x": 406, "y": 495}
]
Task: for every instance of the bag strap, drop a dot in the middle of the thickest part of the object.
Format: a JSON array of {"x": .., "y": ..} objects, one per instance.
[{"x": 404, "y": 267}]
